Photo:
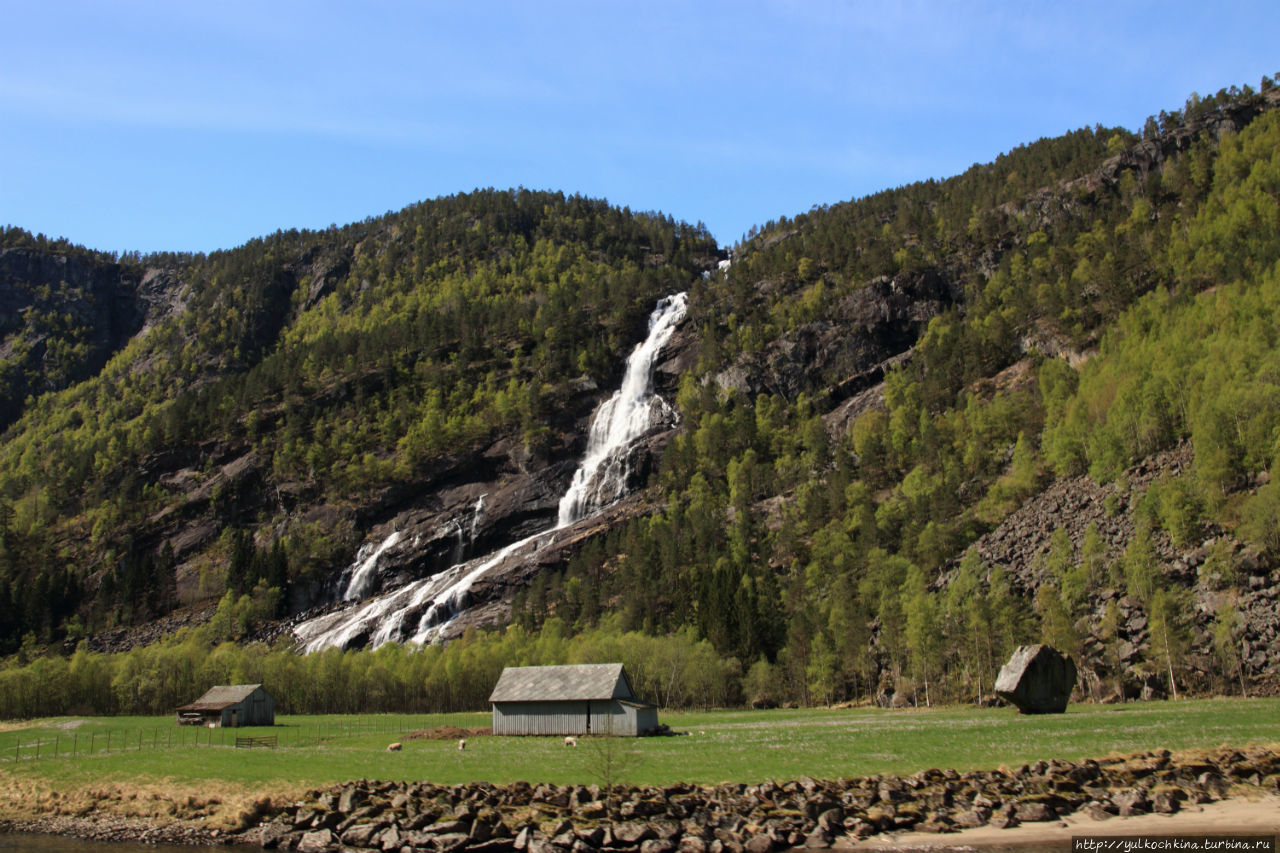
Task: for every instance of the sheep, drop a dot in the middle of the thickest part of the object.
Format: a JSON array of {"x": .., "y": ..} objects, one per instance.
[
  {"x": 462, "y": 744},
  {"x": 395, "y": 747},
  {"x": 571, "y": 741}
]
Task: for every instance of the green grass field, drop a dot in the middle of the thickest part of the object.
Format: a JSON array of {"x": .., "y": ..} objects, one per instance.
[{"x": 744, "y": 746}]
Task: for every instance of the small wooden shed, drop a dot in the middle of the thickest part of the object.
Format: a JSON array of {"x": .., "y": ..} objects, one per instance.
[
  {"x": 569, "y": 700},
  {"x": 230, "y": 706}
]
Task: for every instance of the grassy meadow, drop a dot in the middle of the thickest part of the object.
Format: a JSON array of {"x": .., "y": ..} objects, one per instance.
[{"x": 740, "y": 746}]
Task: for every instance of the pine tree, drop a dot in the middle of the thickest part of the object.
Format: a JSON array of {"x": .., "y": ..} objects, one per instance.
[{"x": 239, "y": 580}]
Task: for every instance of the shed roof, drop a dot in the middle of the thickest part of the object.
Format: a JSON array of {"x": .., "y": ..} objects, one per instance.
[
  {"x": 221, "y": 697},
  {"x": 591, "y": 681}
]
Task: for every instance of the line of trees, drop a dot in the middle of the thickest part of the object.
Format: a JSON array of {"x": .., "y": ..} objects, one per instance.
[{"x": 676, "y": 671}]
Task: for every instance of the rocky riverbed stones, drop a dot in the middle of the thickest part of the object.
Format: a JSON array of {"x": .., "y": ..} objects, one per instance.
[
  {"x": 740, "y": 818},
  {"x": 417, "y": 817}
]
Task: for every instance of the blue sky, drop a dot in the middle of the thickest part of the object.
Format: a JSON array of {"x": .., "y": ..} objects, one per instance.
[{"x": 196, "y": 126}]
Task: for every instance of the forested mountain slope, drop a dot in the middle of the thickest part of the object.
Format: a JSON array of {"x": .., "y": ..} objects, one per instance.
[
  {"x": 1096, "y": 304},
  {"x": 306, "y": 386},
  {"x": 1033, "y": 401}
]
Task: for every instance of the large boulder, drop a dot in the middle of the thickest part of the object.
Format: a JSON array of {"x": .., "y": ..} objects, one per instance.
[{"x": 1037, "y": 680}]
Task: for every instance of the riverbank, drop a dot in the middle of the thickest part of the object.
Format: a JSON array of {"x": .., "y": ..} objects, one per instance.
[
  {"x": 160, "y": 812},
  {"x": 1246, "y": 814},
  {"x": 1225, "y": 787},
  {"x": 119, "y": 829}
]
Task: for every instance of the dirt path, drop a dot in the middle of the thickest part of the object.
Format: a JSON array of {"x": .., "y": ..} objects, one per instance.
[{"x": 1238, "y": 815}]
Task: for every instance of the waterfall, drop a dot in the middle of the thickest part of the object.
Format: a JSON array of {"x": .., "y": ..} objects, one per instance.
[
  {"x": 459, "y": 543},
  {"x": 477, "y": 515},
  {"x": 632, "y": 411},
  {"x": 364, "y": 566},
  {"x": 600, "y": 479}
]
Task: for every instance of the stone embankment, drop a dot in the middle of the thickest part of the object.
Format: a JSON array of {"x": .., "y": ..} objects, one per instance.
[{"x": 732, "y": 818}]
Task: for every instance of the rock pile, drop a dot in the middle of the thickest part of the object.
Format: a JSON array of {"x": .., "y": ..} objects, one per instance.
[
  {"x": 1214, "y": 570},
  {"x": 733, "y": 818}
]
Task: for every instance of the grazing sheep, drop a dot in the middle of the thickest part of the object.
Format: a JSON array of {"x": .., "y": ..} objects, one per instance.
[
  {"x": 395, "y": 747},
  {"x": 571, "y": 741},
  {"x": 462, "y": 744}
]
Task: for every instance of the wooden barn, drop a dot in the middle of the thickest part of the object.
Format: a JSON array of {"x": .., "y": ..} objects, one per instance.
[
  {"x": 229, "y": 707},
  {"x": 569, "y": 700}
]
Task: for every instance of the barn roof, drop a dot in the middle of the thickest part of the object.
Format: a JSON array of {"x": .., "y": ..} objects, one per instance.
[
  {"x": 221, "y": 697},
  {"x": 591, "y": 681}
]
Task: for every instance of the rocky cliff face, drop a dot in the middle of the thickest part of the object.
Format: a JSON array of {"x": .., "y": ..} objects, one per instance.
[
  {"x": 62, "y": 317},
  {"x": 847, "y": 351}
]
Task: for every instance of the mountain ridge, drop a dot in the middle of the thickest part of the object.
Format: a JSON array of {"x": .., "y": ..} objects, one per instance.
[{"x": 868, "y": 390}]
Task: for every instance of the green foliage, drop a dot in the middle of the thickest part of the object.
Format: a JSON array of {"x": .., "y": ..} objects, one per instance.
[
  {"x": 1140, "y": 567},
  {"x": 1082, "y": 314},
  {"x": 1182, "y": 366},
  {"x": 1169, "y": 613},
  {"x": 914, "y": 482},
  {"x": 1227, "y": 630},
  {"x": 677, "y": 671},
  {"x": 1260, "y": 525},
  {"x": 337, "y": 363}
]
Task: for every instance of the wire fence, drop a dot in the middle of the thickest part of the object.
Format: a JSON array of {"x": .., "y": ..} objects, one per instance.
[{"x": 286, "y": 735}]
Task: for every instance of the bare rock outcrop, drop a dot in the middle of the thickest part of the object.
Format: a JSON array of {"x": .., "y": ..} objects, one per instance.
[
  {"x": 1037, "y": 679},
  {"x": 848, "y": 351}
]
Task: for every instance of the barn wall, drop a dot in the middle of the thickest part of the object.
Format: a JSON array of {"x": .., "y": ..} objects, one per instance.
[
  {"x": 259, "y": 709},
  {"x": 256, "y": 709},
  {"x": 570, "y": 718},
  {"x": 646, "y": 719},
  {"x": 540, "y": 718},
  {"x": 611, "y": 718}
]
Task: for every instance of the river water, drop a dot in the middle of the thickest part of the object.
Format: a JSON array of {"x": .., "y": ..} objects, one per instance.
[{"x": 29, "y": 843}]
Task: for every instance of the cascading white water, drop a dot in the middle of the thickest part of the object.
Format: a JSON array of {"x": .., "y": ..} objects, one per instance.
[
  {"x": 366, "y": 562},
  {"x": 600, "y": 479},
  {"x": 477, "y": 515},
  {"x": 459, "y": 542}
]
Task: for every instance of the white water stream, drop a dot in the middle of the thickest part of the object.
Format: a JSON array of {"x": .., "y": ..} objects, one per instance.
[{"x": 601, "y": 478}]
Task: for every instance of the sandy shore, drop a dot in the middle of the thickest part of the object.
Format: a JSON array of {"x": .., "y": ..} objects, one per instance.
[{"x": 1238, "y": 816}]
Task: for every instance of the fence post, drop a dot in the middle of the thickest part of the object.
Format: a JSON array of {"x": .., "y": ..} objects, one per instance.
[
  {"x": 75, "y": 742},
  {"x": 37, "y": 748},
  {"x": 57, "y": 739},
  {"x": 108, "y": 740}
]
